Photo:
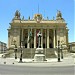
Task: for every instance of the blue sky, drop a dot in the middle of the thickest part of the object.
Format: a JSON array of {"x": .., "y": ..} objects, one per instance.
[{"x": 30, "y": 7}]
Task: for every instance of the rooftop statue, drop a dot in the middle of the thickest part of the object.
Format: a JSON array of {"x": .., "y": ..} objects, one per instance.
[
  {"x": 59, "y": 14},
  {"x": 23, "y": 18},
  {"x": 17, "y": 14},
  {"x": 38, "y": 17}
]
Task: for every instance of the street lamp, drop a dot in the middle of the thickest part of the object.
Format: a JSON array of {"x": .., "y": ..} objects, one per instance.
[
  {"x": 58, "y": 51},
  {"x": 61, "y": 52},
  {"x": 21, "y": 51},
  {"x": 15, "y": 49},
  {"x": 21, "y": 55},
  {"x": 20, "y": 45}
]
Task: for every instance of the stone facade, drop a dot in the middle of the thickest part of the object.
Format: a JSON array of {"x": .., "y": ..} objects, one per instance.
[
  {"x": 52, "y": 31},
  {"x": 3, "y": 47},
  {"x": 72, "y": 47}
]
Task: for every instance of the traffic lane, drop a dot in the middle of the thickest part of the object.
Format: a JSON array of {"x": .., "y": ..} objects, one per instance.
[{"x": 9, "y": 69}]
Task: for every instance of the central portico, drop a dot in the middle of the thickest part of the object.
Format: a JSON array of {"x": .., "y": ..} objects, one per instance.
[{"x": 51, "y": 30}]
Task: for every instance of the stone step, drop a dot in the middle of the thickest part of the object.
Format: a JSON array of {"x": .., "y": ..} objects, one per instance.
[{"x": 30, "y": 52}]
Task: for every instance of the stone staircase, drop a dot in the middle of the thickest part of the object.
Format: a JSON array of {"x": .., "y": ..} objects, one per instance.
[{"x": 30, "y": 52}]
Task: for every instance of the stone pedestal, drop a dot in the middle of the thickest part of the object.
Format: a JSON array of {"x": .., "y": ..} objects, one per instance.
[{"x": 39, "y": 55}]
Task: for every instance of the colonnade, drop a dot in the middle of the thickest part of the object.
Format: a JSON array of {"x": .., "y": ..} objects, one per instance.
[{"x": 47, "y": 41}]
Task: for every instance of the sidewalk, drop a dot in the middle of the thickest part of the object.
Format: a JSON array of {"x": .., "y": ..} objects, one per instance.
[{"x": 67, "y": 61}]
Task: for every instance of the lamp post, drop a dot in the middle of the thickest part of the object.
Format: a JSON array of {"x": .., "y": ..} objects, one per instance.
[
  {"x": 21, "y": 55},
  {"x": 15, "y": 49},
  {"x": 20, "y": 45},
  {"x": 58, "y": 51},
  {"x": 61, "y": 52}
]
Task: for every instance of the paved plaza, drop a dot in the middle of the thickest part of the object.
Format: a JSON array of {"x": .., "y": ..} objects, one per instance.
[{"x": 68, "y": 60}]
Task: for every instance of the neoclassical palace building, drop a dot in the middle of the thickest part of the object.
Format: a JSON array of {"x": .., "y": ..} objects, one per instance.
[{"x": 51, "y": 30}]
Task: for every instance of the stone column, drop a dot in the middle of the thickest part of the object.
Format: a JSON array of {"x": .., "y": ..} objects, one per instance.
[
  {"x": 54, "y": 38},
  {"x": 58, "y": 36},
  {"x": 42, "y": 38},
  {"x": 28, "y": 39},
  {"x": 11, "y": 40},
  {"x": 67, "y": 38},
  {"x": 34, "y": 38},
  {"x": 22, "y": 38},
  {"x": 47, "y": 38},
  {"x": 22, "y": 34},
  {"x": 18, "y": 38}
]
